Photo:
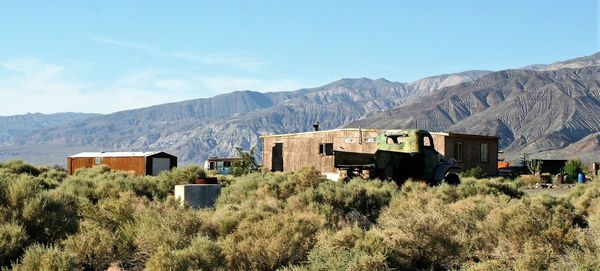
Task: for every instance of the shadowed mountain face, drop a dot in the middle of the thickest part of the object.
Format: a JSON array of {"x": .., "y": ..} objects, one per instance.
[{"x": 531, "y": 110}]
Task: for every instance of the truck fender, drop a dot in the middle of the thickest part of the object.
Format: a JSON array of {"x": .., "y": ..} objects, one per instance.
[{"x": 442, "y": 170}]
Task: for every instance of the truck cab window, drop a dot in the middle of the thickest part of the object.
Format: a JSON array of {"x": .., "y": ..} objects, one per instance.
[{"x": 396, "y": 139}]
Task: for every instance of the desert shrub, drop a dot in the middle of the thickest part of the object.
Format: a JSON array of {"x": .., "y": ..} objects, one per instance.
[
  {"x": 50, "y": 216},
  {"x": 351, "y": 248},
  {"x": 573, "y": 168},
  {"x": 112, "y": 213},
  {"x": 273, "y": 242},
  {"x": 167, "y": 180},
  {"x": 323, "y": 259},
  {"x": 421, "y": 232},
  {"x": 39, "y": 257},
  {"x": 13, "y": 240},
  {"x": 20, "y": 167},
  {"x": 489, "y": 265},
  {"x": 476, "y": 172},
  {"x": 118, "y": 216},
  {"x": 202, "y": 254},
  {"x": 246, "y": 164},
  {"x": 586, "y": 198},
  {"x": 252, "y": 187},
  {"x": 16, "y": 191},
  {"x": 527, "y": 180},
  {"x": 226, "y": 218},
  {"x": 471, "y": 187},
  {"x": 585, "y": 255},
  {"x": 532, "y": 231},
  {"x": 166, "y": 224},
  {"x": 259, "y": 185},
  {"x": 355, "y": 202},
  {"x": 470, "y": 213},
  {"x": 52, "y": 177},
  {"x": 47, "y": 216},
  {"x": 99, "y": 182},
  {"x": 93, "y": 247}
]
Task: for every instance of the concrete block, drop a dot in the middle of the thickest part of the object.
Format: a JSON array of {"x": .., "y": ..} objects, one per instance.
[{"x": 198, "y": 195}]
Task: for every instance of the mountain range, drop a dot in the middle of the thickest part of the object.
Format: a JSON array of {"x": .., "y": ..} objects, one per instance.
[{"x": 547, "y": 110}]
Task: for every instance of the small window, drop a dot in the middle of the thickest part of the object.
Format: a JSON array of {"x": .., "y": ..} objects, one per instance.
[
  {"x": 459, "y": 152},
  {"x": 98, "y": 160},
  {"x": 427, "y": 142},
  {"x": 485, "y": 152},
  {"x": 326, "y": 149},
  {"x": 227, "y": 163}
]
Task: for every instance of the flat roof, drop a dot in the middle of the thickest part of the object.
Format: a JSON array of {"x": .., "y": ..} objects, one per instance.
[
  {"x": 321, "y": 131},
  {"x": 116, "y": 154},
  {"x": 375, "y": 130},
  {"x": 465, "y": 135},
  {"x": 223, "y": 159}
]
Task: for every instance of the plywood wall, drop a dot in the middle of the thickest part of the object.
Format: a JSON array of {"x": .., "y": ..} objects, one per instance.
[{"x": 302, "y": 149}]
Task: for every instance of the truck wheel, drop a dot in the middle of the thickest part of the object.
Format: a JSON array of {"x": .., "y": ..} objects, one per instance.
[{"x": 452, "y": 179}]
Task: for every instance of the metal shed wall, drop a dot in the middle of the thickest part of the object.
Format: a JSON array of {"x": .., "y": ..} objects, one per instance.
[
  {"x": 149, "y": 162},
  {"x": 136, "y": 164},
  {"x": 140, "y": 165}
]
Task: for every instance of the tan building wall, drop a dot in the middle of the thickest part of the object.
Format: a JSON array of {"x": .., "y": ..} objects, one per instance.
[
  {"x": 471, "y": 151},
  {"x": 300, "y": 150}
]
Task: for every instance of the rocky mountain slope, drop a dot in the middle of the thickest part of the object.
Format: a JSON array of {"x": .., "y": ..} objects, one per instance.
[
  {"x": 15, "y": 126},
  {"x": 197, "y": 129},
  {"x": 580, "y": 62},
  {"x": 532, "y": 111},
  {"x": 543, "y": 109}
]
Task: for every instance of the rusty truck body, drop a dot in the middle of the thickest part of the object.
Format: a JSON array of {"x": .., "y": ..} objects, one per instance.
[{"x": 400, "y": 155}]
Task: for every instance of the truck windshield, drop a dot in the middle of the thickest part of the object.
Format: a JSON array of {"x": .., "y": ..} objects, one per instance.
[{"x": 396, "y": 139}]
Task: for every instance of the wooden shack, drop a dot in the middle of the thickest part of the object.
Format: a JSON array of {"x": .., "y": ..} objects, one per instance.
[
  {"x": 468, "y": 150},
  {"x": 291, "y": 152},
  {"x": 141, "y": 163}
]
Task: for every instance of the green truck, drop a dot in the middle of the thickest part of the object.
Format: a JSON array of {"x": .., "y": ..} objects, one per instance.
[{"x": 400, "y": 155}]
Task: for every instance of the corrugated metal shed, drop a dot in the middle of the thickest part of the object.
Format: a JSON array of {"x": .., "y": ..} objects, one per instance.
[
  {"x": 115, "y": 154},
  {"x": 141, "y": 163}
]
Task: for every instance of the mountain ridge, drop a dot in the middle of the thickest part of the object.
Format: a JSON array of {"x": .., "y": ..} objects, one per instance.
[{"x": 198, "y": 128}]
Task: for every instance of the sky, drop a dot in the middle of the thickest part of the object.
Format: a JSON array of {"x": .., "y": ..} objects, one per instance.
[{"x": 107, "y": 56}]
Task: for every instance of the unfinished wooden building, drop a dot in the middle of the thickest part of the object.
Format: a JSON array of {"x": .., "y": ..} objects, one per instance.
[
  {"x": 141, "y": 163},
  {"x": 291, "y": 152}
]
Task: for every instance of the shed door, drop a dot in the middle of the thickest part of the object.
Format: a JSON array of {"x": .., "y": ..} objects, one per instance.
[
  {"x": 277, "y": 157},
  {"x": 160, "y": 164}
]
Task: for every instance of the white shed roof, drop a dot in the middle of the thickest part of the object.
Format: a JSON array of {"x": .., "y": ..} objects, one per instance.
[{"x": 115, "y": 154}]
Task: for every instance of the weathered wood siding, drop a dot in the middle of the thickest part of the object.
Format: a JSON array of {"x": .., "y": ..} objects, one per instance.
[
  {"x": 302, "y": 149},
  {"x": 472, "y": 152}
]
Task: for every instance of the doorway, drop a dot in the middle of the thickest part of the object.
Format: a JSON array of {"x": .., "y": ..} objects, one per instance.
[{"x": 277, "y": 157}]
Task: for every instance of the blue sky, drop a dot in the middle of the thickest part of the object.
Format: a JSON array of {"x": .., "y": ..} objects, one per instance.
[{"x": 105, "y": 56}]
